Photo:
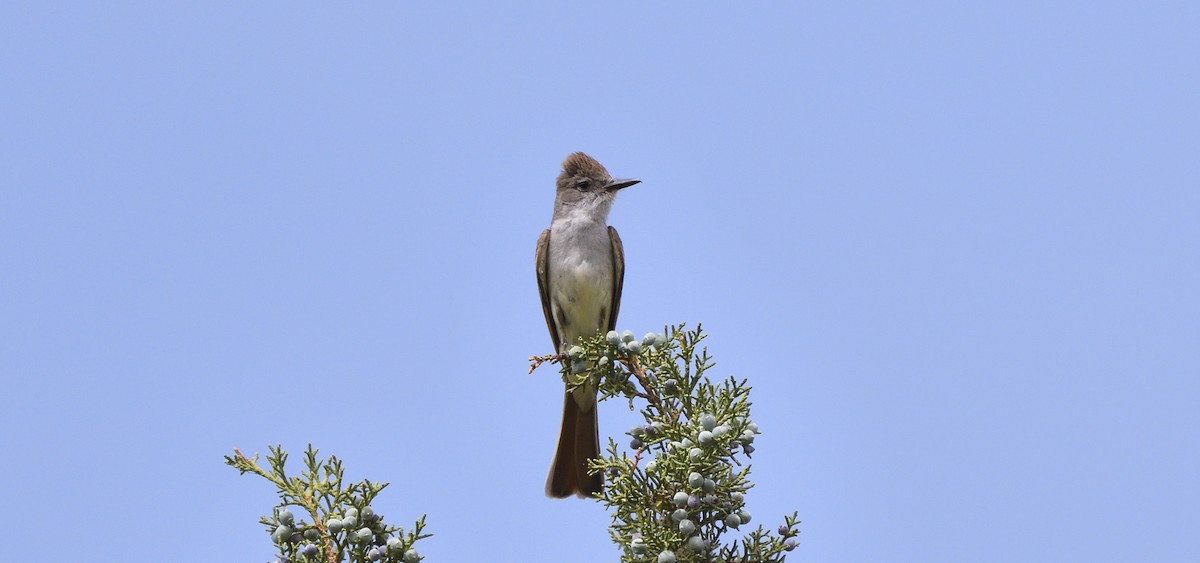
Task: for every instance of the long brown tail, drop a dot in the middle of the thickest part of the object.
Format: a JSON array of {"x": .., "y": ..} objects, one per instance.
[{"x": 578, "y": 441}]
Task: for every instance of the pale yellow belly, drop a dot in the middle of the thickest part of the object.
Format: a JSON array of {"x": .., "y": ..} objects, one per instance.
[{"x": 583, "y": 302}]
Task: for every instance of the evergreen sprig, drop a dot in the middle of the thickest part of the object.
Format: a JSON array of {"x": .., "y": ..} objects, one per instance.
[
  {"x": 342, "y": 525},
  {"x": 680, "y": 488}
]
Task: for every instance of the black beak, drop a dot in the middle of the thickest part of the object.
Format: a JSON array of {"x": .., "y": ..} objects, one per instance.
[{"x": 619, "y": 184}]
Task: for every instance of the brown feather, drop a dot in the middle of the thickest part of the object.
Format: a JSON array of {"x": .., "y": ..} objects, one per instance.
[
  {"x": 562, "y": 482},
  {"x": 580, "y": 164},
  {"x": 541, "y": 262},
  {"x": 618, "y": 255},
  {"x": 578, "y": 441}
]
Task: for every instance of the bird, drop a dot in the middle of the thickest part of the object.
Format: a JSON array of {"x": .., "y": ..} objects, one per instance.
[{"x": 580, "y": 263}]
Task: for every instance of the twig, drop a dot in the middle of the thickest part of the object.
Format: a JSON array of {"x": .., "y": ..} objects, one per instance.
[
  {"x": 537, "y": 361},
  {"x": 635, "y": 368}
]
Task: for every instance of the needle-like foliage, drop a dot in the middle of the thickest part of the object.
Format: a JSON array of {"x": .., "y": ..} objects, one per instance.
[
  {"x": 341, "y": 525},
  {"x": 678, "y": 492}
]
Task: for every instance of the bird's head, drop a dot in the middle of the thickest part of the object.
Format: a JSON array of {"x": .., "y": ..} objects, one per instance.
[{"x": 584, "y": 185}]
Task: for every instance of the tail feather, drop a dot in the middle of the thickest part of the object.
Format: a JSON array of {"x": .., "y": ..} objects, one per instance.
[{"x": 578, "y": 441}]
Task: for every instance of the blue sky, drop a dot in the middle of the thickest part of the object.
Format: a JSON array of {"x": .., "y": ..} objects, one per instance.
[{"x": 954, "y": 247}]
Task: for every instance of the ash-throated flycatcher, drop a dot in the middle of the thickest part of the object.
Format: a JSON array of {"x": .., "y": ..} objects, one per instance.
[{"x": 580, "y": 269}]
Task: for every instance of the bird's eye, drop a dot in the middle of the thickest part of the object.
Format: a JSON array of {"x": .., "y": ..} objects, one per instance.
[{"x": 583, "y": 184}]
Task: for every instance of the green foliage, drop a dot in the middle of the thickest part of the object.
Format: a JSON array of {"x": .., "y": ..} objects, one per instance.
[
  {"x": 677, "y": 494},
  {"x": 680, "y": 489},
  {"x": 341, "y": 527}
]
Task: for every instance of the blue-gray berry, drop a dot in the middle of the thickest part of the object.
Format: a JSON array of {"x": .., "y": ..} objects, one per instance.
[
  {"x": 627, "y": 336},
  {"x": 721, "y": 430},
  {"x": 695, "y": 454},
  {"x": 697, "y": 544},
  {"x": 394, "y": 543},
  {"x": 613, "y": 337},
  {"x": 738, "y": 496},
  {"x": 411, "y": 556},
  {"x": 285, "y": 517},
  {"x": 312, "y": 534},
  {"x": 635, "y": 347},
  {"x": 752, "y": 427},
  {"x": 368, "y": 515},
  {"x": 695, "y": 479},
  {"x": 789, "y": 545},
  {"x": 705, "y": 438},
  {"x": 679, "y": 514},
  {"x": 575, "y": 352},
  {"x": 680, "y": 499},
  {"x": 693, "y": 501},
  {"x": 744, "y": 516},
  {"x": 638, "y": 546},
  {"x": 282, "y": 533},
  {"x": 635, "y": 444},
  {"x": 686, "y": 527},
  {"x": 363, "y": 535},
  {"x": 670, "y": 386},
  {"x": 666, "y": 557},
  {"x": 709, "y": 485},
  {"x": 708, "y": 421},
  {"x": 578, "y": 366},
  {"x": 733, "y": 521},
  {"x": 650, "y": 339},
  {"x": 334, "y": 525},
  {"x": 373, "y": 554},
  {"x": 310, "y": 550}
]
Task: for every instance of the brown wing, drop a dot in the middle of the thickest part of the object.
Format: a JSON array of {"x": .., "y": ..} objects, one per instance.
[
  {"x": 618, "y": 254},
  {"x": 542, "y": 264}
]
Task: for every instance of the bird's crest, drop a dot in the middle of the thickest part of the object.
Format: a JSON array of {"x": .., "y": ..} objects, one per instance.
[{"x": 579, "y": 164}]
